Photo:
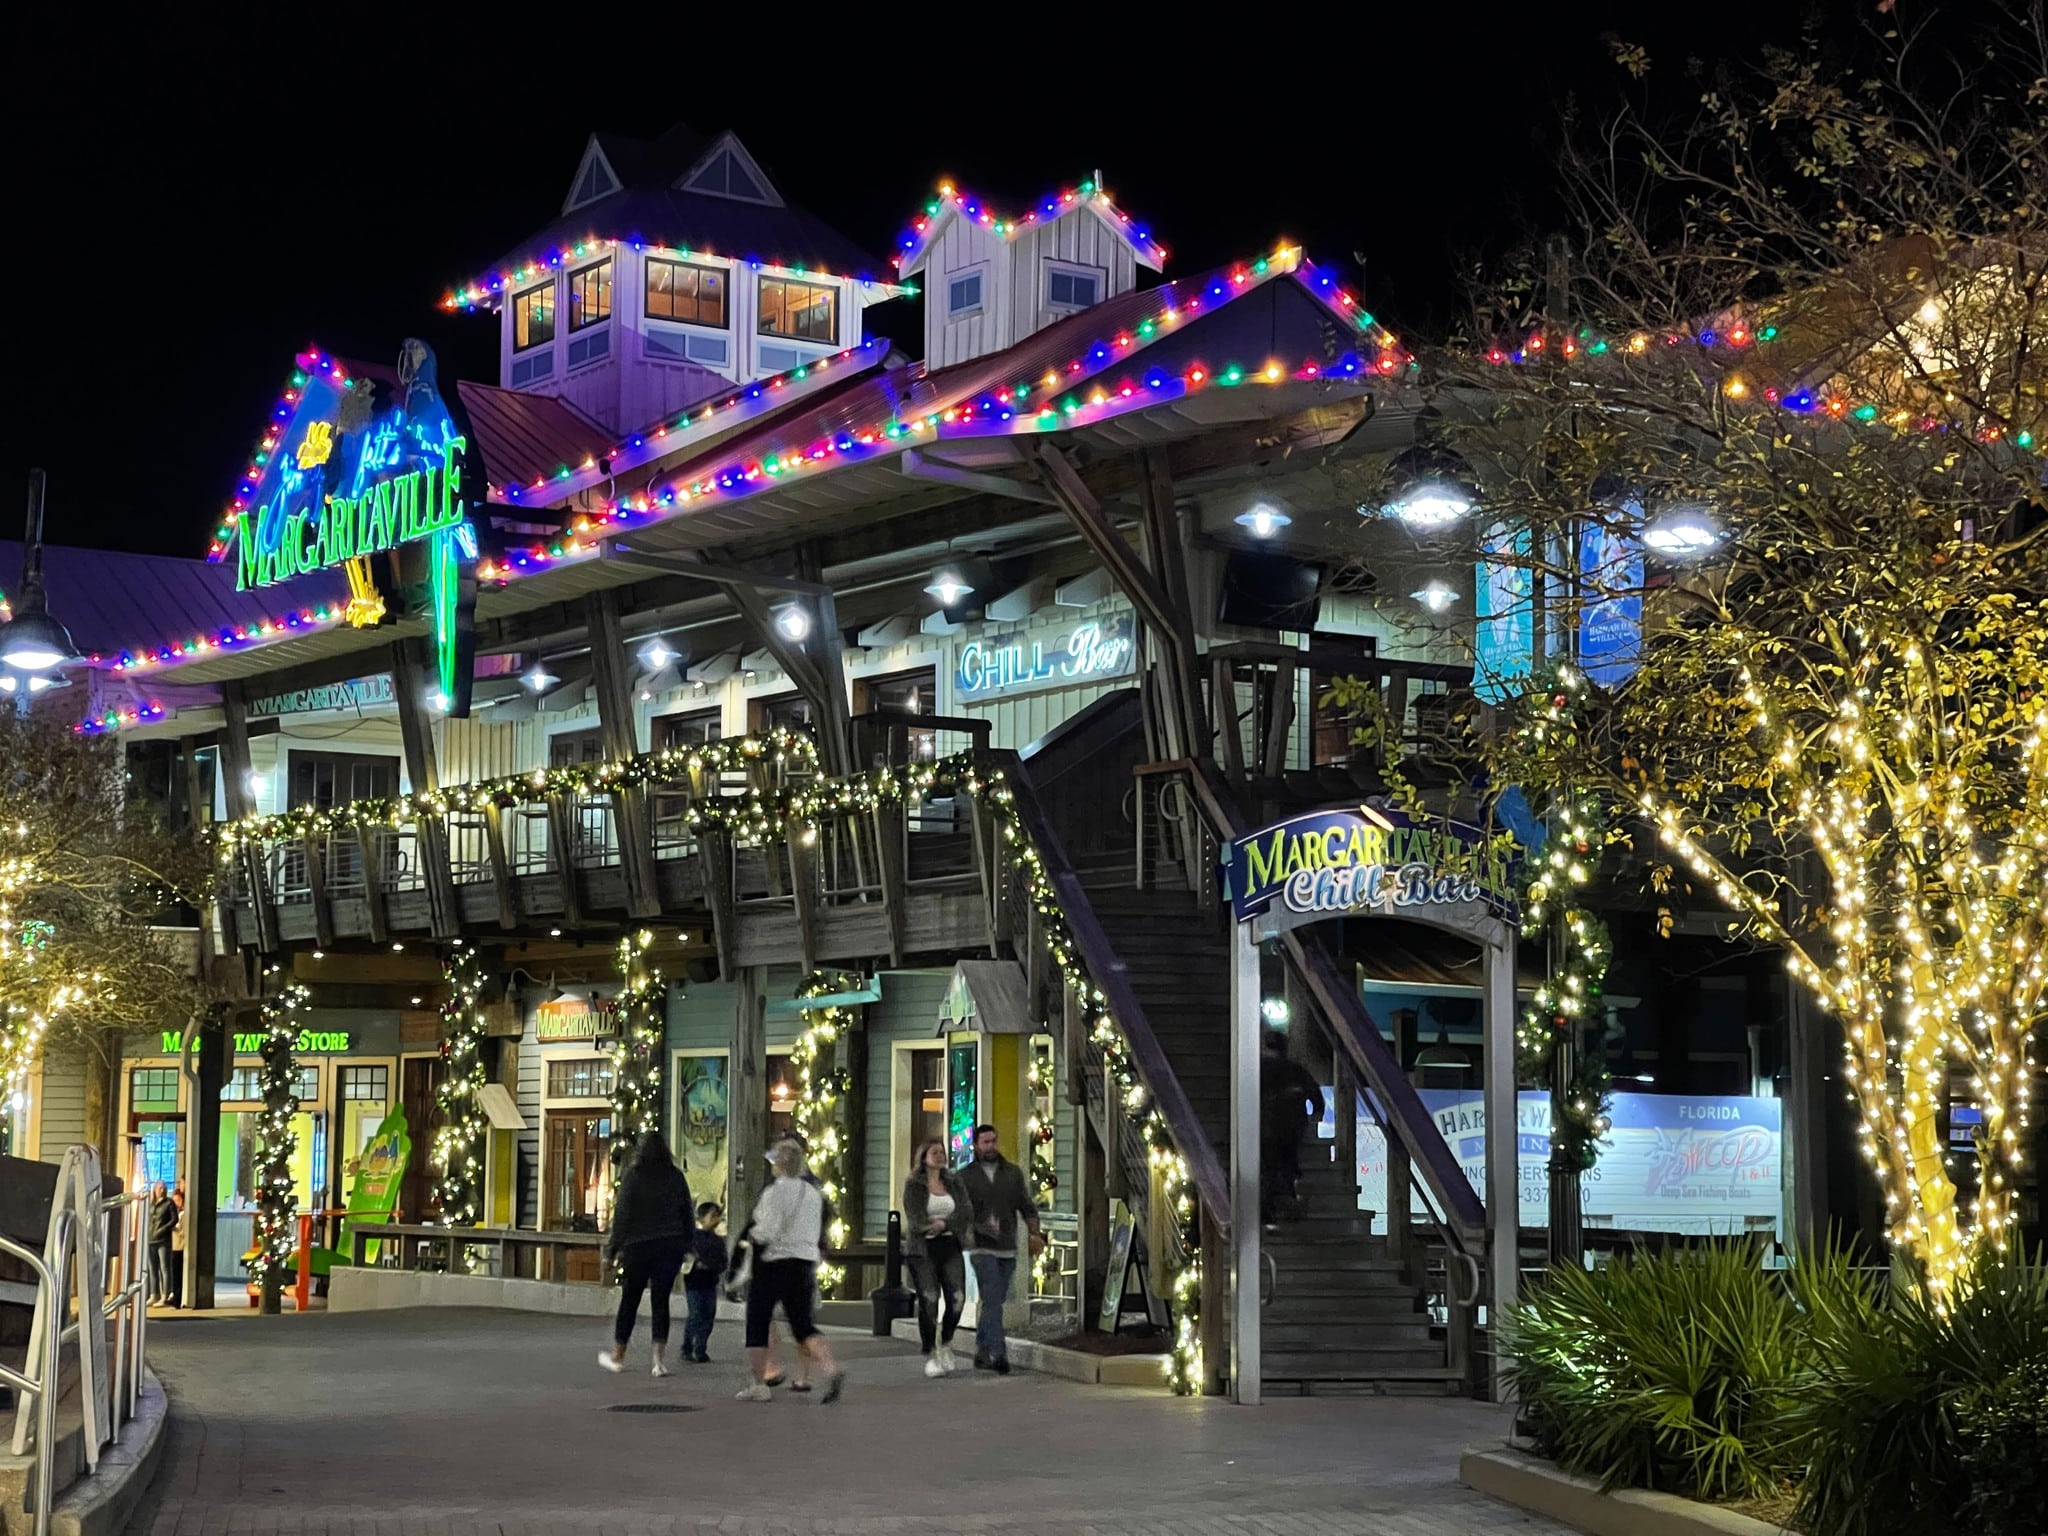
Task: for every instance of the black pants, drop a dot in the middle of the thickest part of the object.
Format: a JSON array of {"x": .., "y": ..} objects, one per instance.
[
  {"x": 938, "y": 1270},
  {"x": 1280, "y": 1165},
  {"x": 652, "y": 1267},
  {"x": 789, "y": 1282}
]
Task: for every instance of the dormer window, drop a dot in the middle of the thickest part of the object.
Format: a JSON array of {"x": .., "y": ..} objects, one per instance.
[
  {"x": 1069, "y": 288},
  {"x": 963, "y": 294},
  {"x": 533, "y": 317},
  {"x": 590, "y": 296},
  {"x": 798, "y": 310},
  {"x": 684, "y": 292}
]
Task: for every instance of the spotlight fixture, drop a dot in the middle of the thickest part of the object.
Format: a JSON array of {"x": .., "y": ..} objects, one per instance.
[
  {"x": 1264, "y": 520},
  {"x": 539, "y": 679},
  {"x": 1436, "y": 596},
  {"x": 437, "y": 701},
  {"x": 793, "y": 623},
  {"x": 949, "y": 586},
  {"x": 655, "y": 654}
]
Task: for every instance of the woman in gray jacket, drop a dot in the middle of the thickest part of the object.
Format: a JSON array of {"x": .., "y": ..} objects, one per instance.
[{"x": 937, "y": 1216}]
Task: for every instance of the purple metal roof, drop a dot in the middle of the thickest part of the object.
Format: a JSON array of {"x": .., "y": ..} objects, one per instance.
[
  {"x": 527, "y": 438},
  {"x": 114, "y": 602}
]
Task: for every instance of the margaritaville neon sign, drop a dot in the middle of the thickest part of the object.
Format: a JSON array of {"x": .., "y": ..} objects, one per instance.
[
  {"x": 1328, "y": 863},
  {"x": 401, "y": 509}
]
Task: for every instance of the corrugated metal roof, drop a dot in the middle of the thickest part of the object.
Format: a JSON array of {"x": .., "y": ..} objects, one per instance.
[
  {"x": 523, "y": 438},
  {"x": 115, "y": 602}
]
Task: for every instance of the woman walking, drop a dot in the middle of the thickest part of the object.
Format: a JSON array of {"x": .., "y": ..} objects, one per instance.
[
  {"x": 937, "y": 1217},
  {"x": 652, "y": 1222},
  {"x": 788, "y": 1229}
]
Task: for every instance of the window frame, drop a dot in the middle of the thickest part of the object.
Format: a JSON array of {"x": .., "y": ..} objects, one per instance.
[
  {"x": 554, "y": 317},
  {"x": 724, "y": 323},
  {"x": 607, "y": 283},
  {"x": 1054, "y": 267},
  {"x": 979, "y": 274},
  {"x": 603, "y": 1076},
  {"x": 831, "y": 339},
  {"x": 663, "y": 726}
]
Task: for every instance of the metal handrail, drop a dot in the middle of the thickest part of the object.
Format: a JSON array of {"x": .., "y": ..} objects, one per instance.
[{"x": 53, "y": 1281}]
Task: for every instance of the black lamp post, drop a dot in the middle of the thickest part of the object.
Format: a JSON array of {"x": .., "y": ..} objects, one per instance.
[{"x": 32, "y": 642}]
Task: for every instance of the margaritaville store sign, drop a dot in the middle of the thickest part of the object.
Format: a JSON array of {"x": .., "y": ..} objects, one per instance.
[{"x": 1329, "y": 863}]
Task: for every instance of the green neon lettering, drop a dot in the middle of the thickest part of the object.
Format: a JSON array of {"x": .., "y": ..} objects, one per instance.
[{"x": 249, "y": 566}]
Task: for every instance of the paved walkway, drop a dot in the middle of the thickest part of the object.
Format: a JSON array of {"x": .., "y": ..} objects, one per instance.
[{"x": 473, "y": 1423}]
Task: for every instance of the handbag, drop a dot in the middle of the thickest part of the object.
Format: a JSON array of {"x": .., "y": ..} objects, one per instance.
[{"x": 739, "y": 1274}]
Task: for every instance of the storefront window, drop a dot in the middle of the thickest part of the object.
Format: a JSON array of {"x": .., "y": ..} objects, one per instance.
[
  {"x": 698, "y": 728},
  {"x": 245, "y": 1086},
  {"x": 798, "y": 310},
  {"x": 578, "y": 1178},
  {"x": 677, "y": 290},
  {"x": 783, "y": 712},
  {"x": 365, "y": 1101},
  {"x": 580, "y": 1077},
  {"x": 927, "y": 1099},
  {"x": 781, "y": 1095}
]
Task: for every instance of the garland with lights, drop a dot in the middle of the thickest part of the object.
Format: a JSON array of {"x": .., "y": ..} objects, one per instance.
[
  {"x": 1038, "y": 1135},
  {"x": 277, "y": 1200},
  {"x": 821, "y": 1088},
  {"x": 636, "y": 1052},
  {"x": 1565, "y": 1008},
  {"x": 459, "y": 1140}
]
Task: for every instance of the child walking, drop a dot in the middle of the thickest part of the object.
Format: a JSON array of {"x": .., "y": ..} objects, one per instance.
[{"x": 700, "y": 1281}]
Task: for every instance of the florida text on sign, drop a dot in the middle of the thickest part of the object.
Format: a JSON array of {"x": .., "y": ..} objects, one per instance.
[{"x": 1365, "y": 859}]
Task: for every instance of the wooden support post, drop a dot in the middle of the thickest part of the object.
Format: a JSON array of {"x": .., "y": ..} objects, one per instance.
[
  {"x": 416, "y": 736},
  {"x": 370, "y": 848},
  {"x": 631, "y": 822},
  {"x": 714, "y": 845},
  {"x": 235, "y": 770},
  {"x": 1169, "y": 560},
  {"x": 1400, "y": 1195},
  {"x": 803, "y": 878},
  {"x": 820, "y": 678},
  {"x": 747, "y": 1096},
  {"x": 501, "y": 866},
  {"x": 1223, "y": 701},
  {"x": 1037, "y": 961},
  {"x": 1214, "y": 1330},
  {"x": 316, "y": 888},
  {"x": 982, "y": 826},
  {"x": 890, "y": 855},
  {"x": 562, "y": 854},
  {"x": 1279, "y": 721}
]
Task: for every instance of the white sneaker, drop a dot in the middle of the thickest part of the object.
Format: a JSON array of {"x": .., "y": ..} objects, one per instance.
[
  {"x": 610, "y": 1361},
  {"x": 934, "y": 1366},
  {"x": 754, "y": 1392},
  {"x": 946, "y": 1361},
  {"x": 661, "y": 1367}
]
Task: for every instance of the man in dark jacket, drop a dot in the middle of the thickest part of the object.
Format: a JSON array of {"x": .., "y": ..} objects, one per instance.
[
  {"x": 163, "y": 1225},
  {"x": 1001, "y": 1195},
  {"x": 1289, "y": 1102}
]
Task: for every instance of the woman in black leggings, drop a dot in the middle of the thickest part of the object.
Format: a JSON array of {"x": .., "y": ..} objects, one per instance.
[{"x": 652, "y": 1220}]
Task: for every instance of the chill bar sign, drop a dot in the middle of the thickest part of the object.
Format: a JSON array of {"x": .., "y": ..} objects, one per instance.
[
  {"x": 1369, "y": 859},
  {"x": 403, "y": 509},
  {"x": 1084, "y": 653}
]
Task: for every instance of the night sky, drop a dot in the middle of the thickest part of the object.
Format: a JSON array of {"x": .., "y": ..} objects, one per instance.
[{"x": 194, "y": 206}]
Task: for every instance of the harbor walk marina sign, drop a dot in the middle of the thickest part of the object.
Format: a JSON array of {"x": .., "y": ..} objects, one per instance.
[{"x": 1353, "y": 861}]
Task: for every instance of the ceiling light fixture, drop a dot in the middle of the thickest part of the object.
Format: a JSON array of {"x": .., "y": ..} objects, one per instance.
[
  {"x": 1436, "y": 596},
  {"x": 949, "y": 586},
  {"x": 1428, "y": 504},
  {"x": 1264, "y": 520}
]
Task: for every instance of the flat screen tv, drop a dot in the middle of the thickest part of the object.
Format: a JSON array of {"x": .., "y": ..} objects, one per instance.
[{"x": 1270, "y": 591}]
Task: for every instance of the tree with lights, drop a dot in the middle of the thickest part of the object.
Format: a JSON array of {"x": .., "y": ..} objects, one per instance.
[
  {"x": 1794, "y": 347},
  {"x": 459, "y": 1139},
  {"x": 636, "y": 1055},
  {"x": 85, "y": 871},
  {"x": 275, "y": 1251}
]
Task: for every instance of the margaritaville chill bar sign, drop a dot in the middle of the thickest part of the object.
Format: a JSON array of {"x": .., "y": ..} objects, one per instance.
[
  {"x": 1329, "y": 863},
  {"x": 399, "y": 509}
]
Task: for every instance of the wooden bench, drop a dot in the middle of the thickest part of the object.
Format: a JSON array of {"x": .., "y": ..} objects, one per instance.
[{"x": 522, "y": 1253}]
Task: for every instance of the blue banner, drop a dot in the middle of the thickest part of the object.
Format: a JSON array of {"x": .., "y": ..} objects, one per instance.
[
  {"x": 1611, "y": 617},
  {"x": 1505, "y": 606}
]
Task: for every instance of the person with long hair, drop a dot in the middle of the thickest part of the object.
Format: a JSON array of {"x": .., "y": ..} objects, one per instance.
[
  {"x": 938, "y": 1219},
  {"x": 653, "y": 1219},
  {"x": 788, "y": 1235}
]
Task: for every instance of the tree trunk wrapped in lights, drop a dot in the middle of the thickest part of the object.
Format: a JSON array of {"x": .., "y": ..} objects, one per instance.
[
  {"x": 1787, "y": 379},
  {"x": 459, "y": 1141},
  {"x": 277, "y": 1142},
  {"x": 636, "y": 1053}
]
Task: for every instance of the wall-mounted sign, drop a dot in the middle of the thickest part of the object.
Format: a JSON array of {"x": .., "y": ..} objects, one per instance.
[
  {"x": 311, "y": 1042},
  {"x": 358, "y": 469},
  {"x": 359, "y": 694},
  {"x": 1611, "y": 622},
  {"x": 1363, "y": 860},
  {"x": 1017, "y": 662},
  {"x": 576, "y": 1018},
  {"x": 1504, "y": 599}
]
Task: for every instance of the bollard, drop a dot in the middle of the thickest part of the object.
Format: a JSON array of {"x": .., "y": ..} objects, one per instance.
[
  {"x": 302, "y": 1293},
  {"x": 892, "y": 1299}
]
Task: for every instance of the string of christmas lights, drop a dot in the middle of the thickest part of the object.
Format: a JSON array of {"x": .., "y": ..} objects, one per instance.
[
  {"x": 1038, "y": 1137},
  {"x": 277, "y": 1142},
  {"x": 486, "y": 291},
  {"x": 636, "y": 1052},
  {"x": 459, "y": 1140},
  {"x": 924, "y": 230},
  {"x": 821, "y": 1088},
  {"x": 306, "y": 365}
]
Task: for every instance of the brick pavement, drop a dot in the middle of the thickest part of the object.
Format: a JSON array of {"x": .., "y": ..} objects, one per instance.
[{"x": 460, "y": 1423}]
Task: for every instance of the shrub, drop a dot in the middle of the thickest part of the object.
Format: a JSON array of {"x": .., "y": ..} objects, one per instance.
[
  {"x": 1671, "y": 1370},
  {"x": 1916, "y": 1412}
]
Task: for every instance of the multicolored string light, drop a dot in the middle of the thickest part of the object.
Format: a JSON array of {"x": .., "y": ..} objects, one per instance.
[
  {"x": 307, "y": 365},
  {"x": 487, "y": 291},
  {"x": 950, "y": 199}
]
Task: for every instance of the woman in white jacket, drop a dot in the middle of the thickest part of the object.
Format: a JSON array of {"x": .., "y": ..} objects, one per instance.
[{"x": 788, "y": 1227}]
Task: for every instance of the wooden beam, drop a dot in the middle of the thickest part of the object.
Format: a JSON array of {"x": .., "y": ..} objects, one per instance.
[
  {"x": 714, "y": 846},
  {"x": 370, "y": 846},
  {"x": 316, "y": 886},
  {"x": 1168, "y": 623},
  {"x": 817, "y": 666},
  {"x": 1074, "y": 1047},
  {"x": 693, "y": 564},
  {"x": 235, "y": 770},
  {"x": 1169, "y": 560},
  {"x": 1223, "y": 702},
  {"x": 562, "y": 855},
  {"x": 747, "y": 1096},
  {"x": 1279, "y": 720},
  {"x": 416, "y": 738},
  {"x": 507, "y": 889},
  {"x": 633, "y": 826},
  {"x": 803, "y": 878},
  {"x": 888, "y": 823}
]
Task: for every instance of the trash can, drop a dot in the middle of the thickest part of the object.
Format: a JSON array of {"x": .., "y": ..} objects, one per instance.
[{"x": 892, "y": 1299}]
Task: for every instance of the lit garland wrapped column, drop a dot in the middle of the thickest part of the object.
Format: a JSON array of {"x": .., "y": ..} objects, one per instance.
[
  {"x": 821, "y": 1085},
  {"x": 459, "y": 1141},
  {"x": 636, "y": 1054},
  {"x": 277, "y": 1202},
  {"x": 1565, "y": 1009},
  {"x": 1038, "y": 1134}
]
